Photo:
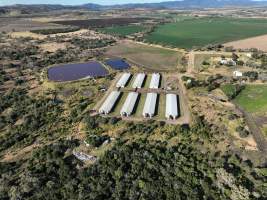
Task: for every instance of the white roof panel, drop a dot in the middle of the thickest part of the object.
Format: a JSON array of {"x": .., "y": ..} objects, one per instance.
[
  {"x": 171, "y": 106},
  {"x": 138, "y": 82},
  {"x": 150, "y": 105},
  {"x": 154, "y": 83},
  {"x": 129, "y": 104},
  {"x": 109, "y": 102},
  {"x": 123, "y": 80}
]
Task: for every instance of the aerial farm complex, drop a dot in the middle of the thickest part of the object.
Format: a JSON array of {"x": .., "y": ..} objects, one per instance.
[{"x": 157, "y": 99}]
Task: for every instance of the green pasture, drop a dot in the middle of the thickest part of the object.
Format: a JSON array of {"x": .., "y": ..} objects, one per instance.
[
  {"x": 123, "y": 30},
  {"x": 199, "y": 32},
  {"x": 253, "y": 98}
]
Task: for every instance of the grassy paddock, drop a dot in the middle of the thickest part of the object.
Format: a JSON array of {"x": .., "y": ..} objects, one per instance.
[
  {"x": 149, "y": 57},
  {"x": 253, "y": 98},
  {"x": 140, "y": 106},
  {"x": 161, "y": 107},
  {"x": 203, "y": 31}
]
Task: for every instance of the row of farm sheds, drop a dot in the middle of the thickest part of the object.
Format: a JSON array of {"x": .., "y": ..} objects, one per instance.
[
  {"x": 149, "y": 110},
  {"x": 139, "y": 80}
]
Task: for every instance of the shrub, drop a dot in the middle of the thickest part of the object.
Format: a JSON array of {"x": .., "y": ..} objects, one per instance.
[{"x": 96, "y": 140}]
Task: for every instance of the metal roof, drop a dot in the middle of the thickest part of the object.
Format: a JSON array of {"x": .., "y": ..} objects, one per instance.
[
  {"x": 171, "y": 106},
  {"x": 129, "y": 104},
  {"x": 123, "y": 80},
  {"x": 150, "y": 105},
  {"x": 138, "y": 82},
  {"x": 154, "y": 83},
  {"x": 109, "y": 102}
]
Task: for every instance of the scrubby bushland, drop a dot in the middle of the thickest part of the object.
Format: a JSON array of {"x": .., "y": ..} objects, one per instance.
[{"x": 132, "y": 170}]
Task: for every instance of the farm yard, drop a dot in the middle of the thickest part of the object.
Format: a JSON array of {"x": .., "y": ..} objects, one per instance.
[
  {"x": 149, "y": 57},
  {"x": 143, "y": 92},
  {"x": 199, "y": 32},
  {"x": 123, "y": 30}
]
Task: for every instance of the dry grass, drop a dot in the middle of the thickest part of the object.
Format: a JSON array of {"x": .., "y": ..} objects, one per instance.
[
  {"x": 53, "y": 46},
  {"x": 26, "y": 34},
  {"x": 149, "y": 57}
]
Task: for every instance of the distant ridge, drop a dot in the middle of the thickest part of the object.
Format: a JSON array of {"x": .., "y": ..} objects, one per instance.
[{"x": 184, "y": 4}]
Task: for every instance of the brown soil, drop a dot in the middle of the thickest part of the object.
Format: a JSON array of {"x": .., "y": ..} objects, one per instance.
[{"x": 258, "y": 42}]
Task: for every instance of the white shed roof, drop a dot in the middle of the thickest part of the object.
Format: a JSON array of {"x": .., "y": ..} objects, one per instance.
[
  {"x": 171, "y": 106},
  {"x": 109, "y": 102},
  {"x": 154, "y": 83},
  {"x": 123, "y": 80},
  {"x": 129, "y": 104},
  {"x": 150, "y": 105},
  {"x": 237, "y": 73},
  {"x": 138, "y": 82}
]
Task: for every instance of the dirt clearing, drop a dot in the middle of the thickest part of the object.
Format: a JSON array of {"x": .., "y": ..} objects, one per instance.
[{"x": 53, "y": 46}]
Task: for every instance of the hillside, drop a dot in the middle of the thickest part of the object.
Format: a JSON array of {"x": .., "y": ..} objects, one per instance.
[
  {"x": 162, "y": 5},
  {"x": 188, "y": 4}
]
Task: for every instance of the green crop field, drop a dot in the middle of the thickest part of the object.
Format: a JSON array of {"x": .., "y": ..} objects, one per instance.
[
  {"x": 203, "y": 31},
  {"x": 123, "y": 30},
  {"x": 253, "y": 98}
]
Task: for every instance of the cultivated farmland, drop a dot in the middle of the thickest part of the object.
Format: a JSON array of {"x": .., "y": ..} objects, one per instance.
[
  {"x": 123, "y": 30},
  {"x": 203, "y": 31},
  {"x": 149, "y": 57},
  {"x": 100, "y": 23}
]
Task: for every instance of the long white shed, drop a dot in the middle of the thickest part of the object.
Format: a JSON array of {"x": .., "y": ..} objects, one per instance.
[
  {"x": 150, "y": 105},
  {"x": 154, "y": 83},
  {"x": 138, "y": 82},
  {"x": 109, "y": 103},
  {"x": 129, "y": 104},
  {"x": 171, "y": 106},
  {"x": 123, "y": 80}
]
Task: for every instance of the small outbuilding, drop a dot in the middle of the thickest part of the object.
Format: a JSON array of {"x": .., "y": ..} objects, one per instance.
[
  {"x": 155, "y": 81},
  {"x": 139, "y": 80},
  {"x": 109, "y": 103},
  {"x": 150, "y": 105},
  {"x": 129, "y": 104},
  {"x": 237, "y": 74},
  {"x": 171, "y": 106},
  {"x": 123, "y": 80}
]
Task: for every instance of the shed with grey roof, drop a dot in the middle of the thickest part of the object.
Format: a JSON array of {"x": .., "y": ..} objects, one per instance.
[
  {"x": 171, "y": 106},
  {"x": 109, "y": 103},
  {"x": 150, "y": 105},
  {"x": 129, "y": 104},
  {"x": 155, "y": 80},
  {"x": 138, "y": 82},
  {"x": 123, "y": 80}
]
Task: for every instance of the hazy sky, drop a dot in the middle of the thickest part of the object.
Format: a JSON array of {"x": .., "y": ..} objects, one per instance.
[{"x": 74, "y": 2}]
